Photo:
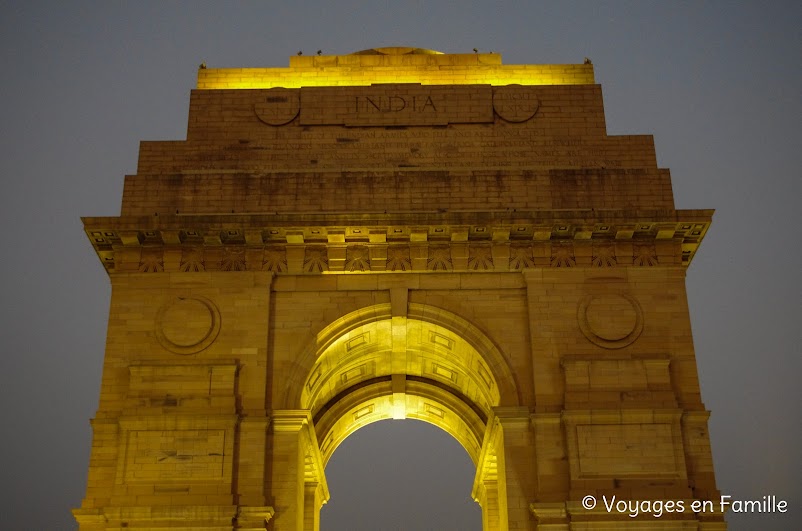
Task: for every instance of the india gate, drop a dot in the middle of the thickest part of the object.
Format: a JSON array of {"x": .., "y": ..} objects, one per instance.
[{"x": 398, "y": 233}]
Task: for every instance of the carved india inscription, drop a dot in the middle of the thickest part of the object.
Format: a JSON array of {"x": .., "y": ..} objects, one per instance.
[
  {"x": 388, "y": 105},
  {"x": 409, "y": 105}
]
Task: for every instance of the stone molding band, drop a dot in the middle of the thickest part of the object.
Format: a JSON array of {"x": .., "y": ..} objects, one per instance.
[{"x": 217, "y": 243}]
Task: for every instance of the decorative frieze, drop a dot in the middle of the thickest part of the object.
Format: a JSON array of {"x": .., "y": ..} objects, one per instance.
[
  {"x": 510, "y": 246},
  {"x": 360, "y": 257}
]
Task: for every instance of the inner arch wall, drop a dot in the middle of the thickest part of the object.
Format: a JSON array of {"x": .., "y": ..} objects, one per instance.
[
  {"x": 369, "y": 365},
  {"x": 425, "y": 341}
]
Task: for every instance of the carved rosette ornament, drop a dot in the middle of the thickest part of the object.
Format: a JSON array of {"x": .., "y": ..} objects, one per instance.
[
  {"x": 480, "y": 258},
  {"x": 151, "y": 261},
  {"x": 398, "y": 258},
  {"x": 645, "y": 255},
  {"x": 604, "y": 256},
  {"x": 187, "y": 325},
  {"x": 233, "y": 259},
  {"x": 279, "y": 106},
  {"x": 192, "y": 260},
  {"x": 515, "y": 103},
  {"x": 439, "y": 258},
  {"x": 357, "y": 259},
  {"x": 562, "y": 255},
  {"x": 521, "y": 257},
  {"x": 316, "y": 260},
  {"x": 610, "y": 321},
  {"x": 275, "y": 260}
]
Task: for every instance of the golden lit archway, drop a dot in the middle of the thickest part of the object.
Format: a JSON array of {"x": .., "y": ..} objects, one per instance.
[
  {"x": 424, "y": 363},
  {"x": 322, "y": 252}
]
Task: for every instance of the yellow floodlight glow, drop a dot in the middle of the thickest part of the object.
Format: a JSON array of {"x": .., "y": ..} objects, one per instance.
[{"x": 365, "y": 70}]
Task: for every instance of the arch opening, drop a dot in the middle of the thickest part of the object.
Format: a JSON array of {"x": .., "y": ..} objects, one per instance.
[
  {"x": 401, "y": 475},
  {"x": 429, "y": 365}
]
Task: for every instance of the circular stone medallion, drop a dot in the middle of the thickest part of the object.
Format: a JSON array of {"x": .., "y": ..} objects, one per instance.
[
  {"x": 186, "y": 325},
  {"x": 515, "y": 103},
  {"x": 278, "y": 107},
  {"x": 610, "y": 321}
]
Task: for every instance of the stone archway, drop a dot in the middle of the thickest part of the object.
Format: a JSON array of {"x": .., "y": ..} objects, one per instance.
[
  {"x": 312, "y": 258},
  {"x": 430, "y": 365}
]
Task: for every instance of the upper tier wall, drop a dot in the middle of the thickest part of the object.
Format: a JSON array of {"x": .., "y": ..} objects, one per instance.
[{"x": 466, "y": 143}]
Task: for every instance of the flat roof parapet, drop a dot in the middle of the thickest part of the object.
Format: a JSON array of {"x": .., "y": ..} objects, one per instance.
[{"x": 364, "y": 69}]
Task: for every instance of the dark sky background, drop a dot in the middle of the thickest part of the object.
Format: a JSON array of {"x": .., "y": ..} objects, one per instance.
[{"x": 719, "y": 85}]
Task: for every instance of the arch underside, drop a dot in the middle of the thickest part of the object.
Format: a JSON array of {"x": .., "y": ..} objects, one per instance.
[
  {"x": 429, "y": 365},
  {"x": 421, "y": 400}
]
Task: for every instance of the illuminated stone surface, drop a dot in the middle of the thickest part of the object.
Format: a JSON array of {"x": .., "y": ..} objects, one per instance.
[{"x": 397, "y": 233}]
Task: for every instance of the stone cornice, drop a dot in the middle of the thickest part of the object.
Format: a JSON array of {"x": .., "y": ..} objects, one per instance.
[{"x": 419, "y": 241}]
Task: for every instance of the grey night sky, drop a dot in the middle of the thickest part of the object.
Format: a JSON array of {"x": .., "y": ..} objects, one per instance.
[{"x": 719, "y": 85}]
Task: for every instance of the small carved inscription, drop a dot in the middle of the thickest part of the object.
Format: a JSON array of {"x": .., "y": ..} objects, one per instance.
[
  {"x": 515, "y": 103},
  {"x": 279, "y": 107},
  {"x": 394, "y": 103},
  {"x": 403, "y": 104},
  {"x": 154, "y": 455}
]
